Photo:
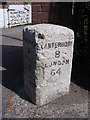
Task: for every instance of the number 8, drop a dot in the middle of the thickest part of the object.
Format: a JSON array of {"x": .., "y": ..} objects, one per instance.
[{"x": 57, "y": 54}]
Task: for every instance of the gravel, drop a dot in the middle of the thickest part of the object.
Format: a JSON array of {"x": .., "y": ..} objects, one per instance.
[{"x": 72, "y": 105}]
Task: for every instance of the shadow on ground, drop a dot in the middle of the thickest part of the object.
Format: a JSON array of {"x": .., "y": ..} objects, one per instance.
[
  {"x": 80, "y": 71},
  {"x": 13, "y": 76},
  {"x": 12, "y": 61}
]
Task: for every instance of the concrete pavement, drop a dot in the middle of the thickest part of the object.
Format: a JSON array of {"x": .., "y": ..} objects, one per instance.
[{"x": 72, "y": 105}]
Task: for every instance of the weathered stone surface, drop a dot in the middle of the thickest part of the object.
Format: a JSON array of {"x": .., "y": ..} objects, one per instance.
[{"x": 48, "y": 53}]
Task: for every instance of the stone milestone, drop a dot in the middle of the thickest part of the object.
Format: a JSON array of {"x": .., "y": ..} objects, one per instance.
[{"x": 48, "y": 53}]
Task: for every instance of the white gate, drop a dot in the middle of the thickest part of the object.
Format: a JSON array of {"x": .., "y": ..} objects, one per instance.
[{"x": 19, "y": 15}]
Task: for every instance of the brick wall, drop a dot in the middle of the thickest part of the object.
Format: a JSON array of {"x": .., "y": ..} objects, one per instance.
[
  {"x": 6, "y": 4},
  {"x": 46, "y": 12},
  {"x": 40, "y": 12}
]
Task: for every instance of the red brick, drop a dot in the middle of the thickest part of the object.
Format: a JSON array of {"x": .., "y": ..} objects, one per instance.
[
  {"x": 40, "y": 7},
  {"x": 0, "y": 6},
  {"x": 36, "y": 8},
  {"x": 34, "y": 21},
  {"x": 15, "y": 3},
  {"x": 44, "y": 21},
  {"x": 4, "y": 6},
  {"x": 45, "y": 4},
  {"x": 38, "y": 3},
  {"x": 9, "y": 3},
  {"x": 40, "y": 15},
  {"x": 27, "y": 2},
  {"x": 45, "y": 8},
  {"x": 19, "y": 3}
]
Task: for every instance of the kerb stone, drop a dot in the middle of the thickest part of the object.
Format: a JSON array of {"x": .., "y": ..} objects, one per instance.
[{"x": 48, "y": 53}]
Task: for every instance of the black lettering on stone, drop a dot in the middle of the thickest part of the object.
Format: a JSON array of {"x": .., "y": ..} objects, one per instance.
[
  {"x": 52, "y": 45},
  {"x": 59, "y": 44},
  {"x": 41, "y": 46},
  {"x": 45, "y": 46},
  {"x": 46, "y": 65},
  {"x": 58, "y": 71},
  {"x": 50, "y": 64},
  {"x": 67, "y": 61},
  {"x": 49, "y": 45},
  {"x": 63, "y": 61},
  {"x": 43, "y": 72},
  {"x": 55, "y": 63},
  {"x": 62, "y": 44},
  {"x": 65, "y": 44},
  {"x": 57, "y": 54},
  {"x": 53, "y": 72},
  {"x": 59, "y": 62},
  {"x": 56, "y": 45},
  {"x": 41, "y": 36}
]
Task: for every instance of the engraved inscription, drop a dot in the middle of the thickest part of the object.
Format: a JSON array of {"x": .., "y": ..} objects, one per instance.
[
  {"x": 54, "y": 45},
  {"x": 54, "y": 72},
  {"x": 56, "y": 63},
  {"x": 57, "y": 54}
]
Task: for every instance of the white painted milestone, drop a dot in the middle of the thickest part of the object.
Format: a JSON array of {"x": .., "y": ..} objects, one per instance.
[{"x": 48, "y": 53}]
